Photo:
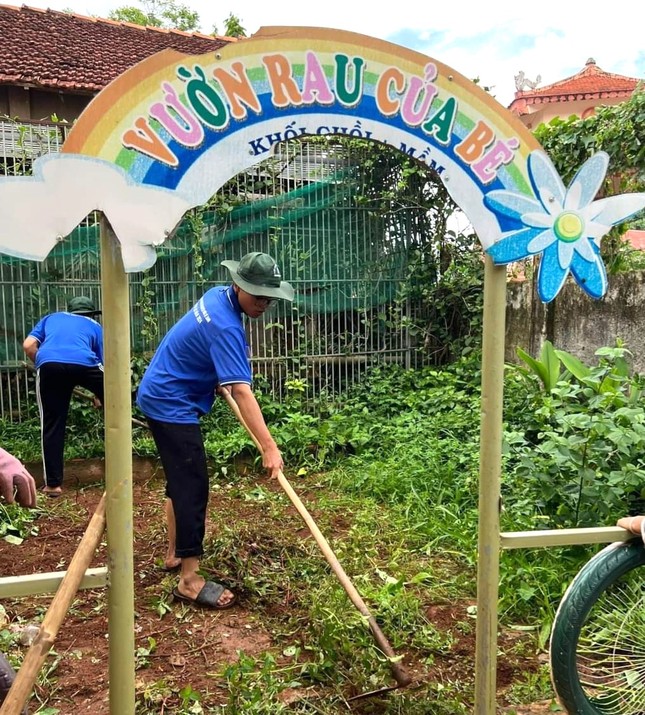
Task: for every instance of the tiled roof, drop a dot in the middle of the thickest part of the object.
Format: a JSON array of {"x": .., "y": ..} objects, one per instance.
[
  {"x": 590, "y": 83},
  {"x": 46, "y": 48}
]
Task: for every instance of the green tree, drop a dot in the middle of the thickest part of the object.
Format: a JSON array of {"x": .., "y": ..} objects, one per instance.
[
  {"x": 232, "y": 27},
  {"x": 181, "y": 17},
  {"x": 158, "y": 13},
  {"x": 170, "y": 14},
  {"x": 134, "y": 15},
  {"x": 619, "y": 130}
]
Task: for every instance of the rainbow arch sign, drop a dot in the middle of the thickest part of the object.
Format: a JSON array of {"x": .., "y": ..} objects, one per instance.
[
  {"x": 191, "y": 123},
  {"x": 168, "y": 133}
]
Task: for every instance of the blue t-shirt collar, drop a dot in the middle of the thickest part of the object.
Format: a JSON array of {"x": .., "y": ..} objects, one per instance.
[{"x": 232, "y": 297}]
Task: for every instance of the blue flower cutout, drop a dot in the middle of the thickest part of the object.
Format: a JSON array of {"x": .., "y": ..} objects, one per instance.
[{"x": 564, "y": 225}]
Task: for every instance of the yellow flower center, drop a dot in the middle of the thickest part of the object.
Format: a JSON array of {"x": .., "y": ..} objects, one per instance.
[{"x": 568, "y": 226}]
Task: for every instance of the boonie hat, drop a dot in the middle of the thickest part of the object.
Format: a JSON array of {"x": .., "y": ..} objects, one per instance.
[
  {"x": 258, "y": 274},
  {"x": 82, "y": 305}
]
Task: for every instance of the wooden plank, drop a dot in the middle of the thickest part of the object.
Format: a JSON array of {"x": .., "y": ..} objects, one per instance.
[
  {"x": 38, "y": 583},
  {"x": 563, "y": 537}
]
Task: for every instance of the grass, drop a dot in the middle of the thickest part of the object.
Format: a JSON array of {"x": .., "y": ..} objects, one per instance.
[
  {"x": 408, "y": 573},
  {"x": 390, "y": 561},
  {"x": 399, "y": 509}
]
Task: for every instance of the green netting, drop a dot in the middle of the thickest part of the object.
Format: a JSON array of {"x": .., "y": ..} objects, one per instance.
[
  {"x": 319, "y": 210},
  {"x": 331, "y": 248}
]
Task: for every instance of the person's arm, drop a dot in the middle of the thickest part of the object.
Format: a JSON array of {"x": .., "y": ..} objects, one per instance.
[
  {"x": 30, "y": 346},
  {"x": 252, "y": 415}
]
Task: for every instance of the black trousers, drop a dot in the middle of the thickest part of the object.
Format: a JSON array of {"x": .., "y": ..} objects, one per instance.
[
  {"x": 55, "y": 382},
  {"x": 183, "y": 457}
]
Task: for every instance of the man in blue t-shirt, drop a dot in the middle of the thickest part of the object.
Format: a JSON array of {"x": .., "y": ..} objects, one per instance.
[
  {"x": 67, "y": 350},
  {"x": 204, "y": 351}
]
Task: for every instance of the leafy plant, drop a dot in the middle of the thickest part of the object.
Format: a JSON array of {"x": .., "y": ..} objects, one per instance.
[
  {"x": 143, "y": 653},
  {"x": 150, "y": 324},
  {"x": 254, "y": 686},
  {"x": 547, "y": 368},
  {"x": 582, "y": 462},
  {"x": 536, "y": 687},
  {"x": 616, "y": 129}
]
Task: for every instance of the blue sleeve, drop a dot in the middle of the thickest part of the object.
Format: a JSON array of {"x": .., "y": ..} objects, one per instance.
[
  {"x": 38, "y": 331},
  {"x": 230, "y": 355}
]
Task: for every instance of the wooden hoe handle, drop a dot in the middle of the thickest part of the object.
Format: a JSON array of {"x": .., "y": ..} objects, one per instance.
[{"x": 399, "y": 673}]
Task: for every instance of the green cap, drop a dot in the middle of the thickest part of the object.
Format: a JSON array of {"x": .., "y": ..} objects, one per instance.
[
  {"x": 82, "y": 305},
  {"x": 258, "y": 274}
]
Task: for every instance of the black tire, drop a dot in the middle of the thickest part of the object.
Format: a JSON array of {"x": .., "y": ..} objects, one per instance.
[{"x": 597, "y": 649}]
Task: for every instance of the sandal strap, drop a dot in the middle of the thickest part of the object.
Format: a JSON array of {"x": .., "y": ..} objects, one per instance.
[{"x": 210, "y": 593}]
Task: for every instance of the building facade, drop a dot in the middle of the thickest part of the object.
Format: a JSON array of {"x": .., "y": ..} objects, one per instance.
[
  {"x": 53, "y": 63},
  {"x": 577, "y": 95}
]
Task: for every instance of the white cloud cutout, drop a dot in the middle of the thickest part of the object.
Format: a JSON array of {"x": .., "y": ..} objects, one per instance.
[{"x": 38, "y": 211}]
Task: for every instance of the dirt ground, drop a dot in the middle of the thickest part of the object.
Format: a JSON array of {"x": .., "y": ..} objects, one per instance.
[{"x": 177, "y": 645}]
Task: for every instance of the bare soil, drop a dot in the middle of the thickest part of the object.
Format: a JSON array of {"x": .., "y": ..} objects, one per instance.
[{"x": 192, "y": 647}]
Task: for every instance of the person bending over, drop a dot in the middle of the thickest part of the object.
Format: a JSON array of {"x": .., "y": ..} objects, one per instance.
[
  {"x": 204, "y": 351},
  {"x": 67, "y": 350}
]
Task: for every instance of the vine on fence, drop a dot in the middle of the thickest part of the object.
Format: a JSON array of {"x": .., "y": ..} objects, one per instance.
[
  {"x": 150, "y": 326},
  {"x": 195, "y": 223}
]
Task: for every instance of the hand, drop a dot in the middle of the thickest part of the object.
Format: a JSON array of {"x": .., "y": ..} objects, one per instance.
[
  {"x": 97, "y": 403},
  {"x": 272, "y": 461},
  {"x": 21, "y": 485},
  {"x": 631, "y": 523}
]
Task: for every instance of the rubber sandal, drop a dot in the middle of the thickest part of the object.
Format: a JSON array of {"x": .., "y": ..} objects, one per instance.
[
  {"x": 52, "y": 495},
  {"x": 208, "y": 597}
]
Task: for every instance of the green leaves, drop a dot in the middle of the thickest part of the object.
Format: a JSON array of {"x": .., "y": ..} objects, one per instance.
[
  {"x": 618, "y": 130},
  {"x": 158, "y": 13},
  {"x": 608, "y": 377},
  {"x": 576, "y": 367},
  {"x": 547, "y": 368},
  {"x": 582, "y": 459},
  {"x": 16, "y": 523}
]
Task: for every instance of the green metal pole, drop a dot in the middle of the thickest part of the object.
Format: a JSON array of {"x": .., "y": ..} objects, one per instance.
[
  {"x": 490, "y": 460},
  {"x": 118, "y": 473}
]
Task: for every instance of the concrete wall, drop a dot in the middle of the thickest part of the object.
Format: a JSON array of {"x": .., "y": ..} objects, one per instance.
[{"x": 576, "y": 323}]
